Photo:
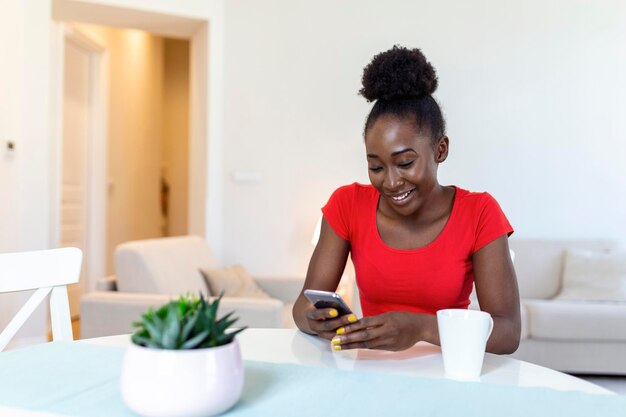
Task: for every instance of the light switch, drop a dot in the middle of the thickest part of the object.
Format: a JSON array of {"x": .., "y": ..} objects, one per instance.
[{"x": 246, "y": 177}]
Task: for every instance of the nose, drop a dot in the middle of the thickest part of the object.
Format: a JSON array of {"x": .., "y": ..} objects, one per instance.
[{"x": 393, "y": 180}]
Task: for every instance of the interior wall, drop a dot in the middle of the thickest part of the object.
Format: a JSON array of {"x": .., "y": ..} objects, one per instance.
[
  {"x": 176, "y": 133},
  {"x": 11, "y": 89},
  {"x": 26, "y": 41},
  {"x": 134, "y": 134},
  {"x": 24, "y": 120},
  {"x": 533, "y": 93}
]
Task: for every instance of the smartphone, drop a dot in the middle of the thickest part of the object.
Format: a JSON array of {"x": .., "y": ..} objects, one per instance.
[{"x": 327, "y": 299}]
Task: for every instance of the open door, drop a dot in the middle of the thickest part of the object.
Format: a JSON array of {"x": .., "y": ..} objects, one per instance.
[{"x": 80, "y": 115}]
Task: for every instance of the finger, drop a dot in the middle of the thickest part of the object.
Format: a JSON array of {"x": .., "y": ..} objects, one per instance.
[
  {"x": 346, "y": 321},
  {"x": 364, "y": 323},
  {"x": 328, "y": 325},
  {"x": 322, "y": 313},
  {"x": 378, "y": 343},
  {"x": 361, "y": 337},
  {"x": 327, "y": 335}
]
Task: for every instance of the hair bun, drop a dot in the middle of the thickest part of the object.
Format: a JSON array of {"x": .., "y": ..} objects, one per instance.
[{"x": 398, "y": 72}]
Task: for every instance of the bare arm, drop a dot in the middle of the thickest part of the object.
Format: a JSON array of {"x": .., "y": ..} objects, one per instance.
[
  {"x": 325, "y": 269},
  {"x": 496, "y": 288}
]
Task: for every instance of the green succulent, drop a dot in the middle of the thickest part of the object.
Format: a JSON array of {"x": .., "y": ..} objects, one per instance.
[{"x": 187, "y": 323}]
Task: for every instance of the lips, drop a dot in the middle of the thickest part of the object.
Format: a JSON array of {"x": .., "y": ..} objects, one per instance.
[{"x": 400, "y": 198}]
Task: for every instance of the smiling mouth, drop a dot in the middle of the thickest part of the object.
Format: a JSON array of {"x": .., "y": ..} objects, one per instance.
[{"x": 402, "y": 197}]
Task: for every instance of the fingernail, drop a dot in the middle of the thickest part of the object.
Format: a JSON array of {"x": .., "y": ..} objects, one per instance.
[
  {"x": 334, "y": 313},
  {"x": 336, "y": 347},
  {"x": 335, "y": 341},
  {"x": 352, "y": 318},
  {"x": 341, "y": 330}
]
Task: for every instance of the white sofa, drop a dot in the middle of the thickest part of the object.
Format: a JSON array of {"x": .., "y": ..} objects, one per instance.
[
  {"x": 585, "y": 337},
  {"x": 150, "y": 273}
]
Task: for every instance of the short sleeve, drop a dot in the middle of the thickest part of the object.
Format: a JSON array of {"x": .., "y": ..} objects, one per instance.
[
  {"x": 338, "y": 210},
  {"x": 492, "y": 223}
]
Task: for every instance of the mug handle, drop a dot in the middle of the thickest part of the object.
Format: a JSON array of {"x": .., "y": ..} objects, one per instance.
[{"x": 490, "y": 326}]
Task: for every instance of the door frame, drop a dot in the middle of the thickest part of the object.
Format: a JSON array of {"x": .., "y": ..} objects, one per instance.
[
  {"x": 96, "y": 146},
  {"x": 202, "y": 24}
]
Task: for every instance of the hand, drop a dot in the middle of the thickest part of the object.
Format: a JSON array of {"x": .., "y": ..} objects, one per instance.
[
  {"x": 396, "y": 330},
  {"x": 325, "y": 321}
]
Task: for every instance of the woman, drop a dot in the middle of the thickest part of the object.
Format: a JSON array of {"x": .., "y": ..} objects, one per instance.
[{"x": 417, "y": 246}]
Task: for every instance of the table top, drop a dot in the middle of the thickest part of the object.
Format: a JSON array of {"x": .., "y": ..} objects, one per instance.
[
  {"x": 285, "y": 369},
  {"x": 423, "y": 359}
]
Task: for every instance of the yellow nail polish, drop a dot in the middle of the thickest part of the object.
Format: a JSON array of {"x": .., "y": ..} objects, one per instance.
[
  {"x": 341, "y": 330},
  {"x": 352, "y": 318},
  {"x": 336, "y": 347},
  {"x": 336, "y": 341},
  {"x": 333, "y": 313}
]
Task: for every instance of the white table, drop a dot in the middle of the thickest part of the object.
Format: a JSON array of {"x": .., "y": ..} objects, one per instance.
[{"x": 424, "y": 359}]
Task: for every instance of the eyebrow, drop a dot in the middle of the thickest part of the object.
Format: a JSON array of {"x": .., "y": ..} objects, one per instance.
[{"x": 396, "y": 153}]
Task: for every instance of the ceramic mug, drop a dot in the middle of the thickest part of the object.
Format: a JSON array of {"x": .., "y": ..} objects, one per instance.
[{"x": 463, "y": 335}]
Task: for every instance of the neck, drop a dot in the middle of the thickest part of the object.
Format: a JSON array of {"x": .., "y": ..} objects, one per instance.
[{"x": 430, "y": 205}]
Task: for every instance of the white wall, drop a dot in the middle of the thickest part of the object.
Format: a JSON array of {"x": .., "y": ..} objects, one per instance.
[
  {"x": 24, "y": 119},
  {"x": 533, "y": 93},
  {"x": 26, "y": 109}
]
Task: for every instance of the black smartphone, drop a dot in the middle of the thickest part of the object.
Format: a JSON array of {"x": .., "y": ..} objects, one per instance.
[{"x": 327, "y": 299}]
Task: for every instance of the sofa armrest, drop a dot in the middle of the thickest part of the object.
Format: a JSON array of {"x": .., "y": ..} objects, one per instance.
[
  {"x": 106, "y": 313},
  {"x": 107, "y": 283},
  {"x": 284, "y": 288},
  {"x": 287, "y": 289},
  {"x": 254, "y": 312}
]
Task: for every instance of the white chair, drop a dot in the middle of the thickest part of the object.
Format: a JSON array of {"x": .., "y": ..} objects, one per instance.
[{"x": 47, "y": 272}]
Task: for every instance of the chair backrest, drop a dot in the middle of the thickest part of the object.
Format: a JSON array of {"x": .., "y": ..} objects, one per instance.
[{"x": 47, "y": 272}]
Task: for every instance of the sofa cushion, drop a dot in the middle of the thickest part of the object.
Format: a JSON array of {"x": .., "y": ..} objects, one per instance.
[
  {"x": 524, "y": 321},
  {"x": 594, "y": 276},
  {"x": 163, "y": 266},
  {"x": 232, "y": 282},
  {"x": 538, "y": 263},
  {"x": 576, "y": 320},
  {"x": 288, "y": 321}
]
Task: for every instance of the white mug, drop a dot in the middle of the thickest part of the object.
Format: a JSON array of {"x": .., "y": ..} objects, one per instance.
[{"x": 463, "y": 335}]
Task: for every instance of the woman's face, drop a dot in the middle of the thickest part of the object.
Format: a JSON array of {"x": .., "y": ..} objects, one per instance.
[{"x": 402, "y": 163}]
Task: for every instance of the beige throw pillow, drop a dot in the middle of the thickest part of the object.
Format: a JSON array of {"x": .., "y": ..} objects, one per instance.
[
  {"x": 594, "y": 276},
  {"x": 233, "y": 282}
]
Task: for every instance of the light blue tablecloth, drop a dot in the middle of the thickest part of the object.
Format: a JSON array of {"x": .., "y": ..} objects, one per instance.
[{"x": 83, "y": 380}]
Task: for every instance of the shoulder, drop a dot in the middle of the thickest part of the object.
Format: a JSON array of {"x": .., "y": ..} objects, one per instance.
[
  {"x": 481, "y": 212},
  {"x": 475, "y": 199},
  {"x": 354, "y": 191}
]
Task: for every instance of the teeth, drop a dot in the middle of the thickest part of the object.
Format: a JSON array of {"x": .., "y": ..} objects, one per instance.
[{"x": 401, "y": 197}]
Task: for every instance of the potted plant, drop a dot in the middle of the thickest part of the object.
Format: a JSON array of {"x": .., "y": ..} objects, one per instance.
[{"x": 183, "y": 361}]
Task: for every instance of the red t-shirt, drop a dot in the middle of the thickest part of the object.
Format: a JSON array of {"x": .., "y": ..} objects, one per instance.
[{"x": 422, "y": 280}]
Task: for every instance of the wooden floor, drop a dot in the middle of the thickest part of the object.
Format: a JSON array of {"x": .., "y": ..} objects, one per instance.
[{"x": 75, "y": 330}]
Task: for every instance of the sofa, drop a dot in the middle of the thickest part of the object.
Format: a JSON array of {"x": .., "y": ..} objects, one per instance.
[
  {"x": 150, "y": 273},
  {"x": 571, "y": 335},
  {"x": 575, "y": 336}
]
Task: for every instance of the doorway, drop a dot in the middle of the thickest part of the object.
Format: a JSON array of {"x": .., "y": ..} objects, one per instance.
[
  {"x": 204, "y": 85},
  {"x": 144, "y": 139},
  {"x": 81, "y": 115}
]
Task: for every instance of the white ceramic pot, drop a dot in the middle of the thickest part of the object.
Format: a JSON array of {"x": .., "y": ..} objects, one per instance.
[{"x": 181, "y": 383}]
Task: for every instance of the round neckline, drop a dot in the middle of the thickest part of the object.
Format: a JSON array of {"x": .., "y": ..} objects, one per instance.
[{"x": 437, "y": 239}]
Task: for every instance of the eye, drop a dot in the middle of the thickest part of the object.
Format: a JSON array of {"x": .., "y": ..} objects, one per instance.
[
  {"x": 406, "y": 164},
  {"x": 375, "y": 169}
]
